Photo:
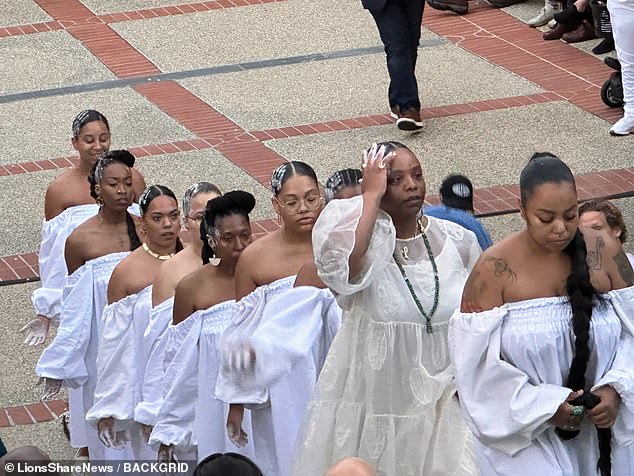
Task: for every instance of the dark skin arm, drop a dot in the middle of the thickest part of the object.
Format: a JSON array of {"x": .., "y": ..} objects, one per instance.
[
  {"x": 73, "y": 253},
  {"x": 484, "y": 288},
  {"x": 117, "y": 288},
  {"x": 53, "y": 203},
  {"x": 138, "y": 183},
  {"x": 245, "y": 284},
  {"x": 183, "y": 302}
]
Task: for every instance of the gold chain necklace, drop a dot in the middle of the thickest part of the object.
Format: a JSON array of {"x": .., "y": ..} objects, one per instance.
[
  {"x": 156, "y": 255},
  {"x": 419, "y": 231}
]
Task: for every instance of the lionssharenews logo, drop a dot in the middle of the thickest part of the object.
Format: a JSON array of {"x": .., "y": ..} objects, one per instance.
[{"x": 122, "y": 467}]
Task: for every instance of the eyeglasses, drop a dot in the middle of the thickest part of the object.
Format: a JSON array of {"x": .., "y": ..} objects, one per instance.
[
  {"x": 196, "y": 218},
  {"x": 293, "y": 206}
]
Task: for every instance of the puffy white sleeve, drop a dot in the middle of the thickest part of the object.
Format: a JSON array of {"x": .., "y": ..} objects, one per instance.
[
  {"x": 334, "y": 239},
  {"x": 232, "y": 385},
  {"x": 464, "y": 240},
  {"x": 298, "y": 325},
  {"x": 503, "y": 409},
  {"x": 64, "y": 358},
  {"x": 177, "y": 414},
  {"x": 153, "y": 348},
  {"x": 117, "y": 362},
  {"x": 621, "y": 373}
]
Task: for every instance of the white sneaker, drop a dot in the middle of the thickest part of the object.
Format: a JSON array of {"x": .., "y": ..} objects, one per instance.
[
  {"x": 545, "y": 15},
  {"x": 623, "y": 126}
]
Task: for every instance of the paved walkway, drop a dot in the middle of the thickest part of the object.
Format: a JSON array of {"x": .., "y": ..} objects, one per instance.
[{"x": 228, "y": 89}]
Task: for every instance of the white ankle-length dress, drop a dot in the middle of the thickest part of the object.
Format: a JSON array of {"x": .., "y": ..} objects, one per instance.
[{"x": 385, "y": 392}]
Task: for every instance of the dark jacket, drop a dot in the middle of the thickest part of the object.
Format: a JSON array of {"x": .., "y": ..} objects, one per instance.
[{"x": 374, "y": 5}]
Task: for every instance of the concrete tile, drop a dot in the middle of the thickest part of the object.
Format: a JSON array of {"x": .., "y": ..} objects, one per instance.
[
  {"x": 501, "y": 226},
  {"x": 490, "y": 147},
  {"x": 41, "y": 128},
  {"x": 49, "y": 437},
  {"x": 255, "y": 101},
  {"x": 111, "y": 6},
  {"x": 47, "y": 60},
  {"x": 19, "y": 12},
  {"x": 627, "y": 208},
  {"x": 179, "y": 171},
  {"x": 265, "y": 31}
]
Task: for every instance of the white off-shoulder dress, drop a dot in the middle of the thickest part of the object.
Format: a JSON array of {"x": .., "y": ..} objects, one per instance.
[
  {"x": 47, "y": 299},
  {"x": 120, "y": 370},
  {"x": 237, "y": 387},
  {"x": 72, "y": 355},
  {"x": 155, "y": 339},
  {"x": 191, "y": 418},
  {"x": 512, "y": 364},
  {"x": 386, "y": 390}
]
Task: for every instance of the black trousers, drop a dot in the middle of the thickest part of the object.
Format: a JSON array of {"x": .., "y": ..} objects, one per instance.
[{"x": 399, "y": 24}]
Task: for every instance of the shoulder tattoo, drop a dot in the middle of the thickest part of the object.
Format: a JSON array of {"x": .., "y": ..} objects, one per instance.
[
  {"x": 624, "y": 267},
  {"x": 501, "y": 268},
  {"x": 594, "y": 256}
]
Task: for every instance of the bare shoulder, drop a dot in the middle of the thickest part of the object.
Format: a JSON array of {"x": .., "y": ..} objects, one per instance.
[
  {"x": 606, "y": 256},
  {"x": 491, "y": 275},
  {"x": 54, "y": 199}
]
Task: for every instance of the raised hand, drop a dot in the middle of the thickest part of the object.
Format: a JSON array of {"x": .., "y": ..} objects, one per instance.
[{"x": 374, "y": 168}]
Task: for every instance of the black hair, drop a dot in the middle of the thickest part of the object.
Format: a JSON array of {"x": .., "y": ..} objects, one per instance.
[
  {"x": 287, "y": 170},
  {"x": 340, "y": 180},
  {"x": 84, "y": 117},
  {"x": 196, "y": 189},
  {"x": 544, "y": 167},
  {"x": 392, "y": 145},
  {"x": 150, "y": 194},
  {"x": 227, "y": 464},
  {"x": 108, "y": 158},
  {"x": 236, "y": 202}
]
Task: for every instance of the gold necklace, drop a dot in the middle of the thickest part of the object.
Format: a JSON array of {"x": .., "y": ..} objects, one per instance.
[
  {"x": 419, "y": 231},
  {"x": 156, "y": 255}
]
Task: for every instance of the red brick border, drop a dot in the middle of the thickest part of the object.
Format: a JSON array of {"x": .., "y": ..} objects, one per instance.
[{"x": 32, "y": 413}]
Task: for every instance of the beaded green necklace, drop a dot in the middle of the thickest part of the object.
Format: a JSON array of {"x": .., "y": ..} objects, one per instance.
[{"x": 427, "y": 317}]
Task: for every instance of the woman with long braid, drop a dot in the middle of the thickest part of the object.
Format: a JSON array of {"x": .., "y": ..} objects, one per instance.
[{"x": 543, "y": 345}]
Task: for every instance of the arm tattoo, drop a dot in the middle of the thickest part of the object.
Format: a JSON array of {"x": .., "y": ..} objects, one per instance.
[
  {"x": 474, "y": 287},
  {"x": 594, "y": 256},
  {"x": 624, "y": 267},
  {"x": 501, "y": 268}
]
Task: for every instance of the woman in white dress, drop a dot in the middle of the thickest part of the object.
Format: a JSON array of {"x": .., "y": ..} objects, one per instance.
[
  {"x": 92, "y": 251},
  {"x": 190, "y": 417},
  {"x": 265, "y": 271},
  {"x": 385, "y": 392},
  {"x": 67, "y": 203},
  {"x": 120, "y": 369},
  {"x": 167, "y": 278},
  {"x": 543, "y": 347}
]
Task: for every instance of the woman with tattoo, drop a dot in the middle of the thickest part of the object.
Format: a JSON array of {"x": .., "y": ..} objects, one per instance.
[
  {"x": 603, "y": 215},
  {"x": 543, "y": 346},
  {"x": 385, "y": 392}
]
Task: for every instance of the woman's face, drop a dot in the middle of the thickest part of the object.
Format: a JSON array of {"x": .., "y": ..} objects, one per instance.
[
  {"x": 162, "y": 222},
  {"x": 115, "y": 187},
  {"x": 552, "y": 215},
  {"x": 597, "y": 221},
  {"x": 231, "y": 237},
  {"x": 197, "y": 213},
  {"x": 299, "y": 203},
  {"x": 92, "y": 141},
  {"x": 405, "y": 191}
]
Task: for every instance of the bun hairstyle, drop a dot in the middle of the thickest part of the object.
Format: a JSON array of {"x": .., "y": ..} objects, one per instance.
[
  {"x": 197, "y": 189},
  {"x": 227, "y": 464},
  {"x": 287, "y": 170},
  {"x": 544, "y": 167},
  {"x": 150, "y": 194},
  {"x": 84, "y": 117},
  {"x": 96, "y": 174},
  {"x": 340, "y": 180},
  {"x": 236, "y": 202},
  {"x": 107, "y": 158}
]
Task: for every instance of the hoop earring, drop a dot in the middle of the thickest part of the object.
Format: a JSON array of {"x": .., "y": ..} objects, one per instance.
[
  {"x": 99, "y": 201},
  {"x": 279, "y": 220}
]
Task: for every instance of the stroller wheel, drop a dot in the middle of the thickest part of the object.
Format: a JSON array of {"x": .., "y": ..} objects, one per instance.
[{"x": 609, "y": 96}]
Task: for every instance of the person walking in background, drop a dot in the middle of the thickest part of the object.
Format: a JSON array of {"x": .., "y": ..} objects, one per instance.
[
  {"x": 622, "y": 19},
  {"x": 399, "y": 23},
  {"x": 456, "y": 197}
]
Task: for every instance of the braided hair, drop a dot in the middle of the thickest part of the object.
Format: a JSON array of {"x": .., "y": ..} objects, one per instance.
[
  {"x": 287, "y": 170},
  {"x": 236, "y": 202},
  {"x": 340, "y": 180},
  {"x": 84, "y": 117},
  {"x": 545, "y": 167},
  {"x": 96, "y": 174}
]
